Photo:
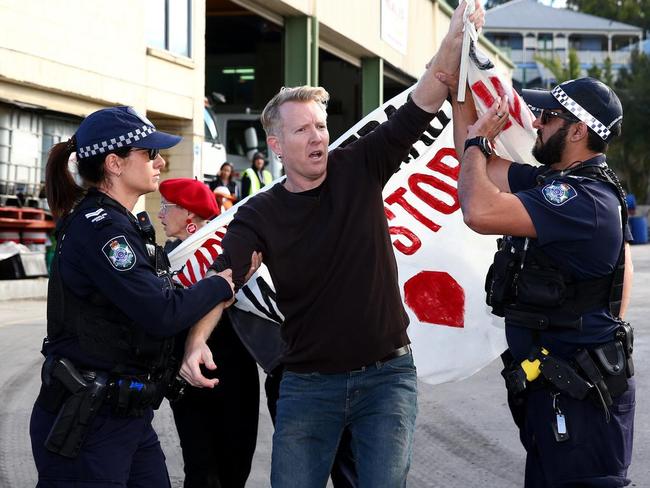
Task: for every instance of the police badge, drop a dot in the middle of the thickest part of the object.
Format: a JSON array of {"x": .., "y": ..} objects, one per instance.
[
  {"x": 558, "y": 193},
  {"x": 119, "y": 253}
]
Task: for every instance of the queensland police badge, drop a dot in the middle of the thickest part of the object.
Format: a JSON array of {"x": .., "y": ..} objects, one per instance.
[
  {"x": 119, "y": 253},
  {"x": 558, "y": 193}
]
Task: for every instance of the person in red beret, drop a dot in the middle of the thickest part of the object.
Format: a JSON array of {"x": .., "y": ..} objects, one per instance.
[
  {"x": 217, "y": 427},
  {"x": 186, "y": 206}
]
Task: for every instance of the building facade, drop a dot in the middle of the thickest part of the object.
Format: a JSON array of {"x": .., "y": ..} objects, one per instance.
[
  {"x": 62, "y": 59},
  {"x": 526, "y": 30}
]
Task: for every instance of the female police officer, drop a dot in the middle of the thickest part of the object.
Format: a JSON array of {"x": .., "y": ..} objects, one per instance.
[{"x": 111, "y": 311}]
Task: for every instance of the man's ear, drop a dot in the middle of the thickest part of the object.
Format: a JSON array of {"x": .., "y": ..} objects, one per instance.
[
  {"x": 274, "y": 143},
  {"x": 579, "y": 131},
  {"x": 113, "y": 164}
]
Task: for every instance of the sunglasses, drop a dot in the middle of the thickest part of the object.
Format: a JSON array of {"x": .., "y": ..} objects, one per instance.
[
  {"x": 152, "y": 153},
  {"x": 545, "y": 115}
]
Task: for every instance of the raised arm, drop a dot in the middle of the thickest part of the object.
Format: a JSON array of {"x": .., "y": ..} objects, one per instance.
[
  {"x": 464, "y": 115},
  {"x": 486, "y": 208},
  {"x": 430, "y": 93}
]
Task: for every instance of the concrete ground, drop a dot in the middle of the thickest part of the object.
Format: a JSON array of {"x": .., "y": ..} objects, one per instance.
[{"x": 464, "y": 435}]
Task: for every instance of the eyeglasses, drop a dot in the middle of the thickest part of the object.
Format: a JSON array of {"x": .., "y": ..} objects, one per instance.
[
  {"x": 152, "y": 153},
  {"x": 545, "y": 115},
  {"x": 164, "y": 207}
]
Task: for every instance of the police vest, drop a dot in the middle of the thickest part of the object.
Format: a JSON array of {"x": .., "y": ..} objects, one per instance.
[
  {"x": 102, "y": 330},
  {"x": 530, "y": 290},
  {"x": 255, "y": 181}
]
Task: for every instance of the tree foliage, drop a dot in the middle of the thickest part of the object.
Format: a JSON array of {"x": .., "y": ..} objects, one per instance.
[
  {"x": 560, "y": 71},
  {"x": 595, "y": 71},
  {"x": 494, "y": 3},
  {"x": 604, "y": 74},
  {"x": 630, "y": 153},
  {"x": 635, "y": 12}
]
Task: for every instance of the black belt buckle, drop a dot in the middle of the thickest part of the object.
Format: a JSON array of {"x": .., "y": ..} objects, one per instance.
[{"x": 396, "y": 353}]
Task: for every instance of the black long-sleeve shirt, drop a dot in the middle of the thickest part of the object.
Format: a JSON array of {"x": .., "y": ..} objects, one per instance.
[{"x": 330, "y": 255}]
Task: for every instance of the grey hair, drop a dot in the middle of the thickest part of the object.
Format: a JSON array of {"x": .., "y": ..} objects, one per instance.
[{"x": 271, "y": 113}]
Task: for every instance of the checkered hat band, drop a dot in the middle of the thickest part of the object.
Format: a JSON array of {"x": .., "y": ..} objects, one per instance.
[
  {"x": 120, "y": 141},
  {"x": 574, "y": 107}
]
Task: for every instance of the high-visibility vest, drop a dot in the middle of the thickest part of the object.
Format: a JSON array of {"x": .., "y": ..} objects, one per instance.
[{"x": 255, "y": 182}]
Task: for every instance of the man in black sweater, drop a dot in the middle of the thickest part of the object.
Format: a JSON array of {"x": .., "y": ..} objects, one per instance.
[{"x": 325, "y": 240}]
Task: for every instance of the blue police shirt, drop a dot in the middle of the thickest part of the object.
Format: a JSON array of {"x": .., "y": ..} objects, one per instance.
[
  {"x": 578, "y": 225},
  {"x": 102, "y": 251}
]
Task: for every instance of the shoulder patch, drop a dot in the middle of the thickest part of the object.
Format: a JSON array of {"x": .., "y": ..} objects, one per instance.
[
  {"x": 119, "y": 253},
  {"x": 99, "y": 218},
  {"x": 558, "y": 193}
]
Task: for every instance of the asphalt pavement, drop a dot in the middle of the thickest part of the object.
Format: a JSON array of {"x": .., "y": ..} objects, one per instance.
[{"x": 464, "y": 435}]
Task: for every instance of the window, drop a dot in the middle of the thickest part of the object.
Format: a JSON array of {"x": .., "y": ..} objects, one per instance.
[
  {"x": 544, "y": 41},
  {"x": 209, "y": 127},
  {"x": 240, "y": 141},
  {"x": 169, "y": 25}
]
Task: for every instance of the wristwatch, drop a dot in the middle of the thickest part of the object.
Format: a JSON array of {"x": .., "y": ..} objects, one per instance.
[{"x": 483, "y": 144}]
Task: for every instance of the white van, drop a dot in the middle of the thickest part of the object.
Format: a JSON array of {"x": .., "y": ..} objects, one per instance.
[{"x": 243, "y": 135}]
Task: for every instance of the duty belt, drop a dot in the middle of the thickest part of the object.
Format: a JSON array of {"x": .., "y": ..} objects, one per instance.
[
  {"x": 600, "y": 373},
  {"x": 76, "y": 396},
  {"x": 127, "y": 395}
]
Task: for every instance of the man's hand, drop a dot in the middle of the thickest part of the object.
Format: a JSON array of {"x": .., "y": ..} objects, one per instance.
[
  {"x": 430, "y": 94},
  {"x": 226, "y": 274},
  {"x": 492, "y": 122},
  {"x": 256, "y": 262},
  {"x": 197, "y": 352},
  {"x": 454, "y": 36},
  {"x": 450, "y": 81}
]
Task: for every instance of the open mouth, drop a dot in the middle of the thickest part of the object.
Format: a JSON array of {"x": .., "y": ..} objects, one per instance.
[{"x": 316, "y": 155}]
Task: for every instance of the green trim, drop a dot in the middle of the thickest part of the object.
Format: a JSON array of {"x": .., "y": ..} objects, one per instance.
[
  {"x": 296, "y": 51},
  {"x": 314, "y": 51},
  {"x": 372, "y": 84}
]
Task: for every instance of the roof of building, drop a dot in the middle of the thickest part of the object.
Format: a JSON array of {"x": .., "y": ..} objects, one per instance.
[{"x": 529, "y": 14}]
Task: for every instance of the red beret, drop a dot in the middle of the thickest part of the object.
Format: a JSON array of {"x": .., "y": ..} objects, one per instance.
[{"x": 192, "y": 195}]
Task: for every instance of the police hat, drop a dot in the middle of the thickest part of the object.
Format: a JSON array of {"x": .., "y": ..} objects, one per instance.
[
  {"x": 588, "y": 99},
  {"x": 190, "y": 194},
  {"x": 111, "y": 128}
]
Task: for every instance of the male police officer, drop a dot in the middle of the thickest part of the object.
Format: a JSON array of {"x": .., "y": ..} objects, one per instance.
[{"x": 557, "y": 279}]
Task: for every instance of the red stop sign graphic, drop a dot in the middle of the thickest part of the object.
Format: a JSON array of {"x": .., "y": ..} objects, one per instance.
[{"x": 436, "y": 298}]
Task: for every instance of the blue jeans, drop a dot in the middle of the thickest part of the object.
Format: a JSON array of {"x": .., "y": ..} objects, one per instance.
[{"x": 378, "y": 404}]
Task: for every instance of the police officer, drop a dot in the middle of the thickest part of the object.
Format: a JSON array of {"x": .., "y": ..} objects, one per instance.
[
  {"x": 255, "y": 177},
  {"x": 558, "y": 279},
  {"x": 112, "y": 311}
]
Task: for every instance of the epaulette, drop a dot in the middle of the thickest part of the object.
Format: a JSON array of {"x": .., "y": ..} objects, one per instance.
[{"x": 99, "y": 218}]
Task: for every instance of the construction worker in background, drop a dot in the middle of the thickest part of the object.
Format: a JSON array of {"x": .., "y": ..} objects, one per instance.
[{"x": 255, "y": 177}]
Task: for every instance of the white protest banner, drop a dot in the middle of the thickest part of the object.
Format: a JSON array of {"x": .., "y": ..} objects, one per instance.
[{"x": 442, "y": 263}]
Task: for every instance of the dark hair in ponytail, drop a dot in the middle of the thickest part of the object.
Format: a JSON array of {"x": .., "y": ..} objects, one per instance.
[{"x": 61, "y": 189}]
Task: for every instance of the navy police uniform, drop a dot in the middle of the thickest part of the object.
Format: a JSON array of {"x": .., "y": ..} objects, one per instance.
[
  {"x": 111, "y": 314},
  {"x": 570, "y": 442}
]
